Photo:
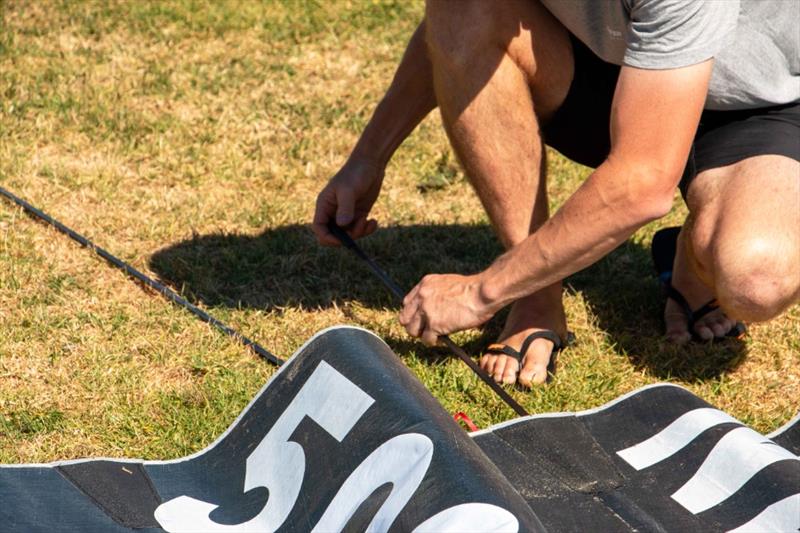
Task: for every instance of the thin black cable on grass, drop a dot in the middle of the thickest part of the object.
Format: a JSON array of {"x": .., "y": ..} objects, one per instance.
[
  {"x": 166, "y": 292},
  {"x": 395, "y": 289}
]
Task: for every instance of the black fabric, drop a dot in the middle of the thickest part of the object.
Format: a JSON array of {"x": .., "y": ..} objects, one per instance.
[
  {"x": 727, "y": 137},
  {"x": 123, "y": 490},
  {"x": 775, "y": 482},
  {"x": 558, "y": 472},
  {"x": 558, "y": 506},
  {"x": 790, "y": 437},
  {"x": 580, "y": 129},
  {"x": 402, "y": 405},
  {"x": 568, "y": 451},
  {"x": 570, "y": 472}
]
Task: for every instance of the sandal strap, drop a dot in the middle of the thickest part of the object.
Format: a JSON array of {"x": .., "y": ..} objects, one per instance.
[
  {"x": 504, "y": 349},
  {"x": 550, "y": 335},
  {"x": 673, "y": 294},
  {"x": 738, "y": 331},
  {"x": 711, "y": 305},
  {"x": 663, "y": 250},
  {"x": 692, "y": 316}
]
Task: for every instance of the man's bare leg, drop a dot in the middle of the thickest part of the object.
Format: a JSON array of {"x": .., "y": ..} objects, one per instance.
[
  {"x": 741, "y": 245},
  {"x": 498, "y": 67}
]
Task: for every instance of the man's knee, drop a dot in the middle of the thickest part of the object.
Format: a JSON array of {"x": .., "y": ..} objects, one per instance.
[
  {"x": 458, "y": 31},
  {"x": 759, "y": 278},
  {"x": 463, "y": 33}
]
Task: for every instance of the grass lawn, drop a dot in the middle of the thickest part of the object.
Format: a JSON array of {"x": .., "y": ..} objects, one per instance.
[{"x": 191, "y": 139}]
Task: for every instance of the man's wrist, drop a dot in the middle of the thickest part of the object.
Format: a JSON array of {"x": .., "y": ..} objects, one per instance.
[
  {"x": 366, "y": 154},
  {"x": 489, "y": 293}
]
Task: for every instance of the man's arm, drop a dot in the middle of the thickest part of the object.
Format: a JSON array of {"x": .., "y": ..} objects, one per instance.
[
  {"x": 350, "y": 194},
  {"x": 654, "y": 118}
]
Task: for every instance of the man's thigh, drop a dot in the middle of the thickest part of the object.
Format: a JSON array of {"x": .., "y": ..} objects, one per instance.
[{"x": 476, "y": 35}]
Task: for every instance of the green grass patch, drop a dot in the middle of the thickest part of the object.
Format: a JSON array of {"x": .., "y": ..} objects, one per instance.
[{"x": 23, "y": 424}]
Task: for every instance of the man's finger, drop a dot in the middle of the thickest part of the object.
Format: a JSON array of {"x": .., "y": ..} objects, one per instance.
[
  {"x": 410, "y": 297},
  {"x": 411, "y": 319},
  {"x": 322, "y": 215},
  {"x": 323, "y": 235},
  {"x": 345, "y": 206},
  {"x": 370, "y": 227},
  {"x": 359, "y": 228},
  {"x": 429, "y": 337},
  {"x": 407, "y": 312},
  {"x": 415, "y": 325}
]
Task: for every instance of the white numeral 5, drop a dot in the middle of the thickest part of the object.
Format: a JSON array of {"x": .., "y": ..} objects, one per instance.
[{"x": 329, "y": 399}]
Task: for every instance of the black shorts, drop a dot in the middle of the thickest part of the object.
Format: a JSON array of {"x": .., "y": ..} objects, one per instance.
[{"x": 580, "y": 128}]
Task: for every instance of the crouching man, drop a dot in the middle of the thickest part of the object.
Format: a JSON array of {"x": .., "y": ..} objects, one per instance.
[{"x": 654, "y": 95}]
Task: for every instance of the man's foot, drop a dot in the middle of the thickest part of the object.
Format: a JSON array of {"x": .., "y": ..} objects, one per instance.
[
  {"x": 543, "y": 310},
  {"x": 714, "y": 324}
]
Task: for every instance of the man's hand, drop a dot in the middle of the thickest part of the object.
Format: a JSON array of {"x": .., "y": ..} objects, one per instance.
[
  {"x": 348, "y": 198},
  {"x": 350, "y": 194},
  {"x": 444, "y": 303}
]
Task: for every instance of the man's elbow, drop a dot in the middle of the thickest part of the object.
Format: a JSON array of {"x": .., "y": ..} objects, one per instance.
[{"x": 651, "y": 194}]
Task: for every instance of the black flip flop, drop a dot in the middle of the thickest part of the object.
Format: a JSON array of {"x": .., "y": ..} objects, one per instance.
[
  {"x": 552, "y": 336},
  {"x": 663, "y": 248}
]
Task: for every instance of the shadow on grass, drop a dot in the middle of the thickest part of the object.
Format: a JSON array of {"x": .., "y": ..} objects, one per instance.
[
  {"x": 285, "y": 267},
  {"x": 622, "y": 292}
]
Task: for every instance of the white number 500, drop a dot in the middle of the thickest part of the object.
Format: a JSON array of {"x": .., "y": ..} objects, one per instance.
[{"x": 336, "y": 404}]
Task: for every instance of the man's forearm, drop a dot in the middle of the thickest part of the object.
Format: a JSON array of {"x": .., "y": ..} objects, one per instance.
[
  {"x": 654, "y": 116},
  {"x": 600, "y": 216},
  {"x": 409, "y": 100}
]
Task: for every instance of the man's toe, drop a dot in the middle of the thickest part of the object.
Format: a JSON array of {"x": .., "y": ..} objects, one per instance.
[
  {"x": 487, "y": 363},
  {"x": 510, "y": 372},
  {"x": 677, "y": 326},
  {"x": 534, "y": 370},
  {"x": 704, "y": 332},
  {"x": 727, "y": 324},
  {"x": 678, "y": 333},
  {"x": 718, "y": 327},
  {"x": 535, "y": 374},
  {"x": 499, "y": 369}
]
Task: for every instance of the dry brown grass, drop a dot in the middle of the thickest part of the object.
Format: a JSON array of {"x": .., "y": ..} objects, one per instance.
[{"x": 192, "y": 143}]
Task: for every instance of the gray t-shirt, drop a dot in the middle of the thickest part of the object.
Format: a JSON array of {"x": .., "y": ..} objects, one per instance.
[{"x": 755, "y": 43}]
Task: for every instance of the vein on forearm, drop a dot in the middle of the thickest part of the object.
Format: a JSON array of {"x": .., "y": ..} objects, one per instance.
[{"x": 570, "y": 240}]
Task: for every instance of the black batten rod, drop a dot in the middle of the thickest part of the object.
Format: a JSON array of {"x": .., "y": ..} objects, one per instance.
[
  {"x": 399, "y": 294},
  {"x": 166, "y": 292}
]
